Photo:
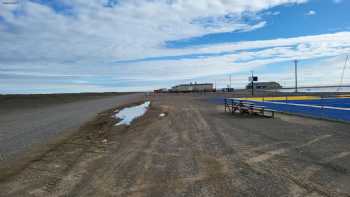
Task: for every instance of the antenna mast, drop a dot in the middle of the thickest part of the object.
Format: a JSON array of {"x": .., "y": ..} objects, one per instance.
[{"x": 343, "y": 73}]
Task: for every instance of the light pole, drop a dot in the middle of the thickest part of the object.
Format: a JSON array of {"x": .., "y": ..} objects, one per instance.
[
  {"x": 252, "y": 82},
  {"x": 296, "y": 75}
]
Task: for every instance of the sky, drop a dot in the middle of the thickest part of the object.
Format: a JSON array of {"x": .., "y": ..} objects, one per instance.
[{"x": 56, "y": 46}]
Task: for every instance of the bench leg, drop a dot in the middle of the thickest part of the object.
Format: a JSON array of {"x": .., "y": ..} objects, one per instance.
[{"x": 225, "y": 104}]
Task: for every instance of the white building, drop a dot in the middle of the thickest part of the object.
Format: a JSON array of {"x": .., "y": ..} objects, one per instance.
[{"x": 196, "y": 87}]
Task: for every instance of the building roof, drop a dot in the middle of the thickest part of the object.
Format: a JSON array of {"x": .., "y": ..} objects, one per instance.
[
  {"x": 266, "y": 83},
  {"x": 193, "y": 84}
]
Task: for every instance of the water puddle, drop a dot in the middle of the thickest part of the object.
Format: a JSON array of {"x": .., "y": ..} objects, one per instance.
[{"x": 127, "y": 115}]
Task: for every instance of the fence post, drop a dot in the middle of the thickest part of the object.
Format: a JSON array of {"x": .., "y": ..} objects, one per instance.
[
  {"x": 232, "y": 106},
  {"x": 225, "y": 104}
]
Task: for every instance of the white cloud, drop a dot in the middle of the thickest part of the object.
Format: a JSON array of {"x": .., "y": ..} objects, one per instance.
[
  {"x": 323, "y": 45},
  {"x": 131, "y": 29},
  {"x": 311, "y": 13},
  {"x": 324, "y": 71},
  {"x": 39, "y": 41},
  {"x": 244, "y": 57}
]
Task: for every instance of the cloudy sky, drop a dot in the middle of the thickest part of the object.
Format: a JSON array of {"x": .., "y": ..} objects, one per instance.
[{"x": 51, "y": 46}]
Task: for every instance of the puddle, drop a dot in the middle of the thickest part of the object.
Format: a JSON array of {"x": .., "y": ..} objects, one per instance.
[{"x": 127, "y": 115}]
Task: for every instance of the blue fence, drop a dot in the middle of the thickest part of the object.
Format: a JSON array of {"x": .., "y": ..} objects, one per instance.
[{"x": 316, "y": 109}]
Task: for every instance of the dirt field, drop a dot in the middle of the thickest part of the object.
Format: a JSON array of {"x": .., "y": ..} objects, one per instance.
[
  {"x": 11, "y": 102},
  {"x": 195, "y": 150},
  {"x": 31, "y": 124}
]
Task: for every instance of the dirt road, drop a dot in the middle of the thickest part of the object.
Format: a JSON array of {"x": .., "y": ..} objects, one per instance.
[
  {"x": 196, "y": 150},
  {"x": 21, "y": 128}
]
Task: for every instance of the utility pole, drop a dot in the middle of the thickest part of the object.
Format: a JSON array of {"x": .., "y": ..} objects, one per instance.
[
  {"x": 230, "y": 82},
  {"x": 252, "y": 82},
  {"x": 296, "y": 75}
]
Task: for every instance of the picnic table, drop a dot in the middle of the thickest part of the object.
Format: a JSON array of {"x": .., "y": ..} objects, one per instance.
[{"x": 246, "y": 107}]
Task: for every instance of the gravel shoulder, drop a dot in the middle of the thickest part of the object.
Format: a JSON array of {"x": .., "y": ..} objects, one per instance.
[
  {"x": 195, "y": 150},
  {"x": 36, "y": 128}
]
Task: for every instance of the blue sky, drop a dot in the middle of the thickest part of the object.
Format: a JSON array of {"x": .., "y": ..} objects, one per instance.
[
  {"x": 134, "y": 45},
  {"x": 289, "y": 21}
]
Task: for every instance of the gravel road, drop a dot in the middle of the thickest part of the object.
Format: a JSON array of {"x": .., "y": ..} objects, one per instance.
[
  {"x": 21, "y": 129},
  {"x": 195, "y": 150}
]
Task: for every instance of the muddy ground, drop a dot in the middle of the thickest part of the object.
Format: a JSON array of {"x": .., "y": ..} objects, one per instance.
[{"x": 195, "y": 150}]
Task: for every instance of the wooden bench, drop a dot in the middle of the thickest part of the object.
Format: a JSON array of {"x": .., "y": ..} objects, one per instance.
[
  {"x": 260, "y": 110},
  {"x": 234, "y": 105},
  {"x": 243, "y": 107},
  {"x": 270, "y": 111},
  {"x": 231, "y": 105}
]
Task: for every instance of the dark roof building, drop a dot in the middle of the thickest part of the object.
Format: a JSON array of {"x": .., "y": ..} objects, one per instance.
[{"x": 264, "y": 85}]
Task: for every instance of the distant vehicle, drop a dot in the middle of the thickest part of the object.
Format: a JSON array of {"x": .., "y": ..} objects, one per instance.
[{"x": 227, "y": 89}]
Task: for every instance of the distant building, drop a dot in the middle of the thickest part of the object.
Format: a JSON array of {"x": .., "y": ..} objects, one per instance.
[
  {"x": 196, "y": 87},
  {"x": 264, "y": 85}
]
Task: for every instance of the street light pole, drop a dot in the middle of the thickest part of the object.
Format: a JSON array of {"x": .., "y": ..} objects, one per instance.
[
  {"x": 252, "y": 83},
  {"x": 296, "y": 75}
]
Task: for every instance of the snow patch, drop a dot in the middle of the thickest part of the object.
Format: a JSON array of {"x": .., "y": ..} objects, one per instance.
[{"x": 127, "y": 115}]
